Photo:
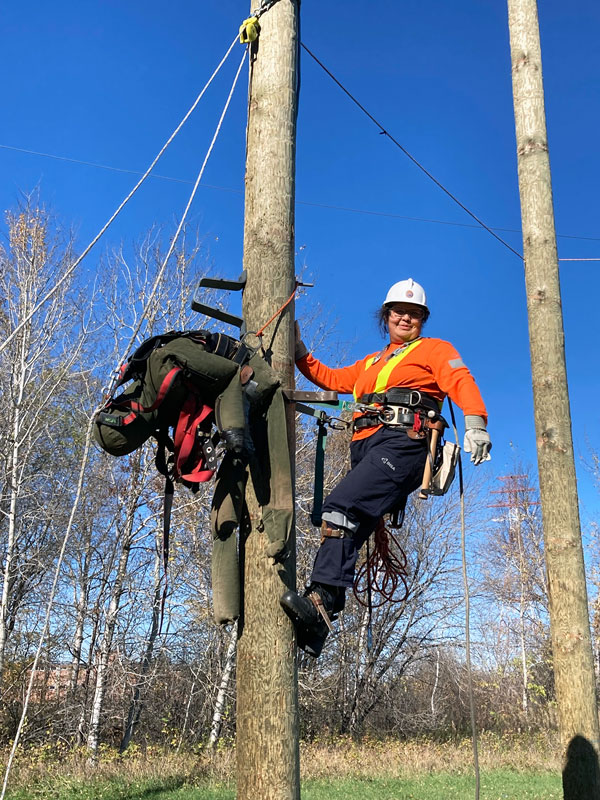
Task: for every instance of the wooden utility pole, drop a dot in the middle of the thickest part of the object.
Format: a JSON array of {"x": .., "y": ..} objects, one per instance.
[
  {"x": 569, "y": 618},
  {"x": 267, "y": 685}
]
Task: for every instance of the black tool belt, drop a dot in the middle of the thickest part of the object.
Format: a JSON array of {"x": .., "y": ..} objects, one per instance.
[
  {"x": 399, "y": 407},
  {"x": 412, "y": 398},
  {"x": 403, "y": 418}
]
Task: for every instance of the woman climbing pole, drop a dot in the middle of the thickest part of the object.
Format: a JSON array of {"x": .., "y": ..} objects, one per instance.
[{"x": 410, "y": 377}]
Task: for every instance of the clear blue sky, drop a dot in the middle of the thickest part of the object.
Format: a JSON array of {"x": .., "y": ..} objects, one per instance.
[{"x": 107, "y": 82}]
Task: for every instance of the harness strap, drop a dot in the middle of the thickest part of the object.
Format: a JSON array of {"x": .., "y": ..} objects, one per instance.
[
  {"x": 315, "y": 516},
  {"x": 165, "y": 386},
  {"x": 167, "y": 507},
  {"x": 137, "y": 408},
  {"x": 191, "y": 417},
  {"x": 327, "y": 532},
  {"x": 222, "y": 345},
  {"x": 317, "y": 601},
  {"x": 402, "y": 397},
  {"x": 372, "y": 421}
]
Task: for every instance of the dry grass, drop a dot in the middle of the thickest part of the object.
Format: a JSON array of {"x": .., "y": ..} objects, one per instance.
[
  {"x": 333, "y": 758},
  {"x": 393, "y": 758}
]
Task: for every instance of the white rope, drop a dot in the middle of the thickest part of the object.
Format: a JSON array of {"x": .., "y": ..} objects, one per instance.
[
  {"x": 463, "y": 547},
  {"x": 78, "y": 261},
  {"x": 177, "y": 232},
  {"x": 468, "y": 644},
  {"x": 88, "y": 440}
]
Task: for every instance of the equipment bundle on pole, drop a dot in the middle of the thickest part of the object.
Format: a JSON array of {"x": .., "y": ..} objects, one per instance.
[
  {"x": 569, "y": 616},
  {"x": 267, "y": 706}
]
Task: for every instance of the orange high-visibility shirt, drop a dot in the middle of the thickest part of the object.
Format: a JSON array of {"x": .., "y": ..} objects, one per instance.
[{"x": 429, "y": 365}]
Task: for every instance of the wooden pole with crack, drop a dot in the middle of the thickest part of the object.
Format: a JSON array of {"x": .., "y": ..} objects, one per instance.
[{"x": 267, "y": 685}]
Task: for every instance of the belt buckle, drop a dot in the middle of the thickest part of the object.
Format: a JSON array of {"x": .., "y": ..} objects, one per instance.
[
  {"x": 389, "y": 414},
  {"x": 415, "y": 398},
  {"x": 244, "y": 350}
]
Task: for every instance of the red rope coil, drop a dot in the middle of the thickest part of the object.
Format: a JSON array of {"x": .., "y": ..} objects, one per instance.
[{"x": 383, "y": 571}]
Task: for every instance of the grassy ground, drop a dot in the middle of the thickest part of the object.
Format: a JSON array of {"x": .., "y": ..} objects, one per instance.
[
  {"x": 512, "y": 768},
  {"x": 496, "y": 785}
]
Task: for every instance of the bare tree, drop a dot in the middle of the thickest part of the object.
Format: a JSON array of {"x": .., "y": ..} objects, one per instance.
[
  {"x": 34, "y": 372},
  {"x": 513, "y": 572}
]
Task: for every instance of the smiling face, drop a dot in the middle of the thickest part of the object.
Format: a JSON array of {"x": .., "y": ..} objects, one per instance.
[{"x": 404, "y": 321}]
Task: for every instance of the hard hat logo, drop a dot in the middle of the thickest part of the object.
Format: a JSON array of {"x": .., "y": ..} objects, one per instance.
[{"x": 409, "y": 293}]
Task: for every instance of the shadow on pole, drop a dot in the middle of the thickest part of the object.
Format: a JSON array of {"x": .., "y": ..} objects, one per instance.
[{"x": 581, "y": 774}]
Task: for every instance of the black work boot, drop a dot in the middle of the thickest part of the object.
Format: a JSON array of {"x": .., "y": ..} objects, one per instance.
[{"x": 313, "y": 613}]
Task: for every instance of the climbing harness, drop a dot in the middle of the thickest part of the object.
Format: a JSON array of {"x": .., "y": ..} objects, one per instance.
[
  {"x": 188, "y": 382},
  {"x": 402, "y": 397},
  {"x": 385, "y": 567},
  {"x": 420, "y": 417},
  {"x": 170, "y": 376}
]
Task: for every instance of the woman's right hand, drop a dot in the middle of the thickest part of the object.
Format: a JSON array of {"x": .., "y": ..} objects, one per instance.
[{"x": 300, "y": 349}]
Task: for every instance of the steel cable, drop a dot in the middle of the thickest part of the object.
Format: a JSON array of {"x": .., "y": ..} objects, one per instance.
[{"x": 385, "y": 132}]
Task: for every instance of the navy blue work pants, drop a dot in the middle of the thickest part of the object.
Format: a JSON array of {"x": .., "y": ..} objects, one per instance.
[{"x": 385, "y": 468}]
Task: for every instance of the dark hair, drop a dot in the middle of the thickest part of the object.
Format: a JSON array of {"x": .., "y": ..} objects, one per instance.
[{"x": 382, "y": 315}]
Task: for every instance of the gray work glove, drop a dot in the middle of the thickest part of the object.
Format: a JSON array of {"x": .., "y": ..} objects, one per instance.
[
  {"x": 477, "y": 439},
  {"x": 300, "y": 349}
]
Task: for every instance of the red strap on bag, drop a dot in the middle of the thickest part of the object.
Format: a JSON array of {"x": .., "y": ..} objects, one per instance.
[
  {"x": 168, "y": 381},
  {"x": 192, "y": 415},
  {"x": 137, "y": 408},
  {"x": 185, "y": 440}
]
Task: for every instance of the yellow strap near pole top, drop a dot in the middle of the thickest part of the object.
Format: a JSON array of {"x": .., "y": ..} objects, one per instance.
[{"x": 249, "y": 30}]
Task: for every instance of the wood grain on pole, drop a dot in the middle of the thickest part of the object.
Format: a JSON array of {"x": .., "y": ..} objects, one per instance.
[
  {"x": 571, "y": 643},
  {"x": 267, "y": 704}
]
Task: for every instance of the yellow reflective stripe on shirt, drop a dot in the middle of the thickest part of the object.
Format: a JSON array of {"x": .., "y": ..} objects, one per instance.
[
  {"x": 368, "y": 363},
  {"x": 384, "y": 374}
]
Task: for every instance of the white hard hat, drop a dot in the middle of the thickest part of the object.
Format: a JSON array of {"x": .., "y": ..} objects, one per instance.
[{"x": 407, "y": 291}]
